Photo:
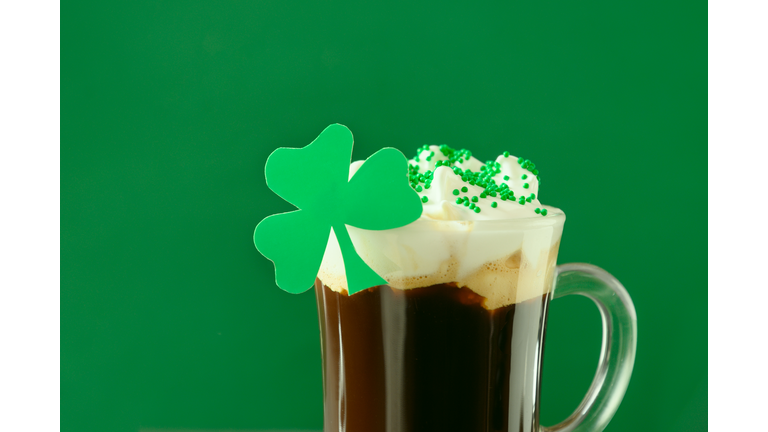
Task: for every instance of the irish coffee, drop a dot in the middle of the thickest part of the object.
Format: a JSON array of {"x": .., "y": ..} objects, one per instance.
[
  {"x": 429, "y": 359},
  {"x": 453, "y": 341},
  {"x": 451, "y": 336}
]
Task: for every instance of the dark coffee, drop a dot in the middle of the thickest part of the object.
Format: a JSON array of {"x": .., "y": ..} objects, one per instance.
[{"x": 429, "y": 359}]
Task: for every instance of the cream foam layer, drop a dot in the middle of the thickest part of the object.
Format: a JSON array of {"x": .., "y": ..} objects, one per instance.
[
  {"x": 504, "y": 264},
  {"x": 506, "y": 254},
  {"x": 441, "y": 201}
]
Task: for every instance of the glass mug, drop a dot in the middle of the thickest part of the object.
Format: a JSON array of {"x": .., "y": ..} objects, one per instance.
[{"x": 435, "y": 357}]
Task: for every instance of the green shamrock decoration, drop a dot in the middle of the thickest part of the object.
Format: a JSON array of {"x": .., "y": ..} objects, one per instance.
[{"x": 316, "y": 180}]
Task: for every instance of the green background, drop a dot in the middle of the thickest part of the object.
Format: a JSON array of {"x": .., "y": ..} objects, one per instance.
[{"x": 170, "y": 317}]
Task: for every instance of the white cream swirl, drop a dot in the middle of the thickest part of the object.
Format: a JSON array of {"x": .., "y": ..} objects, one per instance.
[
  {"x": 506, "y": 262},
  {"x": 509, "y": 173}
]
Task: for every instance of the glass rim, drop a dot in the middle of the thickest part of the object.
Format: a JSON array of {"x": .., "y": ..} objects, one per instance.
[{"x": 555, "y": 217}]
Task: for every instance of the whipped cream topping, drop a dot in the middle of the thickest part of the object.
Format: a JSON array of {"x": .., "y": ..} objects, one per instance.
[
  {"x": 506, "y": 188},
  {"x": 506, "y": 262}
]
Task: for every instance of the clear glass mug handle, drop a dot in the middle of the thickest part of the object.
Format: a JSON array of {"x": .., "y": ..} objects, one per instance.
[{"x": 617, "y": 355}]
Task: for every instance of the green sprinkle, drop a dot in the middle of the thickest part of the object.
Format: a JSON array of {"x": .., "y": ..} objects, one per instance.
[
  {"x": 455, "y": 191},
  {"x": 506, "y": 154},
  {"x": 520, "y": 160},
  {"x": 461, "y": 201},
  {"x": 533, "y": 196},
  {"x": 506, "y": 177},
  {"x": 525, "y": 185},
  {"x": 543, "y": 212},
  {"x": 477, "y": 209},
  {"x": 424, "y": 199},
  {"x": 528, "y": 199},
  {"x": 466, "y": 204},
  {"x": 525, "y": 176},
  {"x": 474, "y": 199},
  {"x": 427, "y": 185},
  {"x": 483, "y": 195},
  {"x": 418, "y": 188},
  {"x": 494, "y": 204},
  {"x": 538, "y": 210},
  {"x": 464, "y": 189},
  {"x": 472, "y": 206},
  {"x": 493, "y": 194},
  {"x": 503, "y": 197},
  {"x": 535, "y": 172}
]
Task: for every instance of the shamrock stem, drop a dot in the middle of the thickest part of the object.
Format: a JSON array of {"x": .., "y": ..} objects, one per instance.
[{"x": 359, "y": 275}]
